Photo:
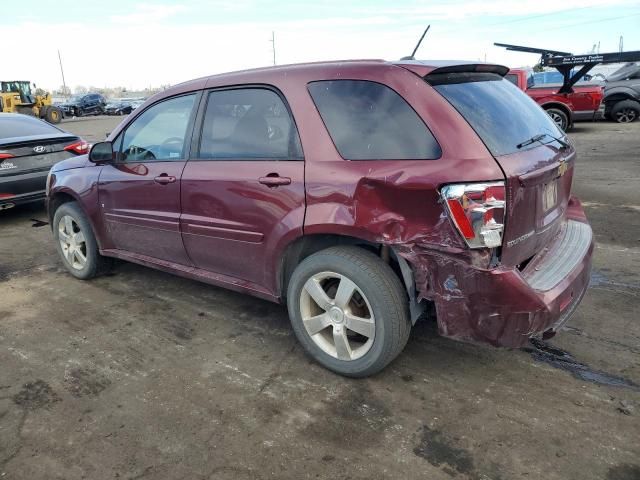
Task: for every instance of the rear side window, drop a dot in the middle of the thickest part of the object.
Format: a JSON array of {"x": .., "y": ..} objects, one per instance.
[
  {"x": 500, "y": 113},
  {"x": 248, "y": 123},
  {"x": 22, "y": 126},
  {"x": 369, "y": 121}
]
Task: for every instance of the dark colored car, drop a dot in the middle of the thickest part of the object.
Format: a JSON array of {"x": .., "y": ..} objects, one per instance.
[
  {"x": 80, "y": 105},
  {"x": 118, "y": 108},
  {"x": 28, "y": 149},
  {"x": 362, "y": 194},
  {"x": 622, "y": 94}
]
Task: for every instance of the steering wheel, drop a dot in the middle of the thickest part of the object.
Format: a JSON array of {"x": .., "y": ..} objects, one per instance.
[
  {"x": 171, "y": 140},
  {"x": 139, "y": 153}
]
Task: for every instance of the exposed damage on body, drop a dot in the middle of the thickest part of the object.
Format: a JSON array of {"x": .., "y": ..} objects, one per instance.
[{"x": 474, "y": 301}]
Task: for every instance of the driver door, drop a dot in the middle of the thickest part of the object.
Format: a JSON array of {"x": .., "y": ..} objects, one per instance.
[{"x": 140, "y": 192}]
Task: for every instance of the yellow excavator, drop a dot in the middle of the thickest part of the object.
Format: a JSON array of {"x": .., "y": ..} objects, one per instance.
[{"x": 16, "y": 97}]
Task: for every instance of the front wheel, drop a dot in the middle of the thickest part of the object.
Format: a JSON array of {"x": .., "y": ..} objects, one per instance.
[
  {"x": 349, "y": 310},
  {"x": 560, "y": 118},
  {"x": 53, "y": 115},
  {"x": 625, "y": 111},
  {"x": 77, "y": 244}
]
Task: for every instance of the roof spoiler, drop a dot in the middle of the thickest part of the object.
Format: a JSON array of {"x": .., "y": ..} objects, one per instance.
[{"x": 470, "y": 68}]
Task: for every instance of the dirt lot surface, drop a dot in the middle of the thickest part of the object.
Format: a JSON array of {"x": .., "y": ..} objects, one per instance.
[{"x": 145, "y": 375}]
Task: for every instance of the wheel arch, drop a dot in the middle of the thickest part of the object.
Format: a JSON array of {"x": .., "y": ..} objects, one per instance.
[
  {"x": 58, "y": 198},
  {"x": 559, "y": 106},
  {"x": 618, "y": 94},
  {"x": 304, "y": 246}
]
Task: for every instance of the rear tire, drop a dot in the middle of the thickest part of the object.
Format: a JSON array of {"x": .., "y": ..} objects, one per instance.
[
  {"x": 349, "y": 310},
  {"x": 560, "y": 118},
  {"x": 626, "y": 111},
  {"x": 77, "y": 244}
]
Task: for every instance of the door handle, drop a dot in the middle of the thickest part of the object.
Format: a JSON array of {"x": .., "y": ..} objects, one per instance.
[
  {"x": 164, "y": 179},
  {"x": 274, "y": 180}
]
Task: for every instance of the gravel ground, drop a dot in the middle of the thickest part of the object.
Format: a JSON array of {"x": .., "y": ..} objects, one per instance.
[{"x": 141, "y": 374}]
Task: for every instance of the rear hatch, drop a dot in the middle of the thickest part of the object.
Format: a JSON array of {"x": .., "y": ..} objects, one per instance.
[{"x": 533, "y": 153}]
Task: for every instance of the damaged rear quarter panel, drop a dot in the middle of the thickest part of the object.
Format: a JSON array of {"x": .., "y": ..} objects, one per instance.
[{"x": 397, "y": 203}]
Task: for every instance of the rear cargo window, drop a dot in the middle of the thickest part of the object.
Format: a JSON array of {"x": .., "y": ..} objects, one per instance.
[
  {"x": 500, "y": 113},
  {"x": 512, "y": 77},
  {"x": 369, "y": 121},
  {"x": 12, "y": 126}
]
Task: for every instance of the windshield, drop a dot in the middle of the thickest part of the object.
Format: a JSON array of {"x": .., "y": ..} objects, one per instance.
[{"x": 501, "y": 114}]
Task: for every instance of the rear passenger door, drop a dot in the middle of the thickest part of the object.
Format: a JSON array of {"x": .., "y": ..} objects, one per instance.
[{"x": 243, "y": 189}]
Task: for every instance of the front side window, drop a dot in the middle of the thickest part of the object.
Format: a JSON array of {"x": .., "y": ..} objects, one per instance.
[
  {"x": 248, "y": 123},
  {"x": 369, "y": 121},
  {"x": 159, "y": 132}
]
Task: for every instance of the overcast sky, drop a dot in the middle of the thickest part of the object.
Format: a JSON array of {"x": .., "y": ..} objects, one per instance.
[{"x": 140, "y": 44}]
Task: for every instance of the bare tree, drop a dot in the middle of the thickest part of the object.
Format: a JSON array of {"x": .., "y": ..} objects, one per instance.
[{"x": 63, "y": 90}]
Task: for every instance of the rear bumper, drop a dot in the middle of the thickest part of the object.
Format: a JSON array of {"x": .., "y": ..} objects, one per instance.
[
  {"x": 22, "y": 188},
  {"x": 506, "y": 306},
  {"x": 21, "y": 199}
]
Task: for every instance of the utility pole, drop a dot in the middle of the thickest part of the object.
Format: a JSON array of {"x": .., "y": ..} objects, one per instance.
[
  {"x": 64, "y": 84},
  {"x": 273, "y": 42},
  {"x": 621, "y": 45}
]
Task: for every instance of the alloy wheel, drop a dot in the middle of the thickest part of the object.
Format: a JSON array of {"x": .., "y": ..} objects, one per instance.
[
  {"x": 558, "y": 120},
  {"x": 72, "y": 242},
  {"x": 337, "y": 316},
  {"x": 626, "y": 115}
]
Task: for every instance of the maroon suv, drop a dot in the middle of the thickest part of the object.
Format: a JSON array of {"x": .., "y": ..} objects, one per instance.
[{"x": 358, "y": 193}]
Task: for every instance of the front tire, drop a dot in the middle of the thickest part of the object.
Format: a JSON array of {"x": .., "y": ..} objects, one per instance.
[
  {"x": 77, "y": 244},
  {"x": 53, "y": 115},
  {"x": 626, "y": 111},
  {"x": 349, "y": 310}
]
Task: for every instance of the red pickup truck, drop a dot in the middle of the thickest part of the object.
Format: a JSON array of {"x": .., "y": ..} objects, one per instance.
[{"x": 584, "y": 103}]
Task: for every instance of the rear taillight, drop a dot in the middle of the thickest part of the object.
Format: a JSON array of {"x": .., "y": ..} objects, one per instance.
[
  {"x": 477, "y": 211},
  {"x": 80, "y": 147},
  {"x": 596, "y": 99},
  {"x": 5, "y": 155}
]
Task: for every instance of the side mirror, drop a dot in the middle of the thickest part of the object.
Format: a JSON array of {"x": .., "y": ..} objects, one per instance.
[{"x": 101, "y": 152}]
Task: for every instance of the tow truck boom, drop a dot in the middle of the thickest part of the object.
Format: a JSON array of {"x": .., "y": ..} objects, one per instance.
[{"x": 565, "y": 61}]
